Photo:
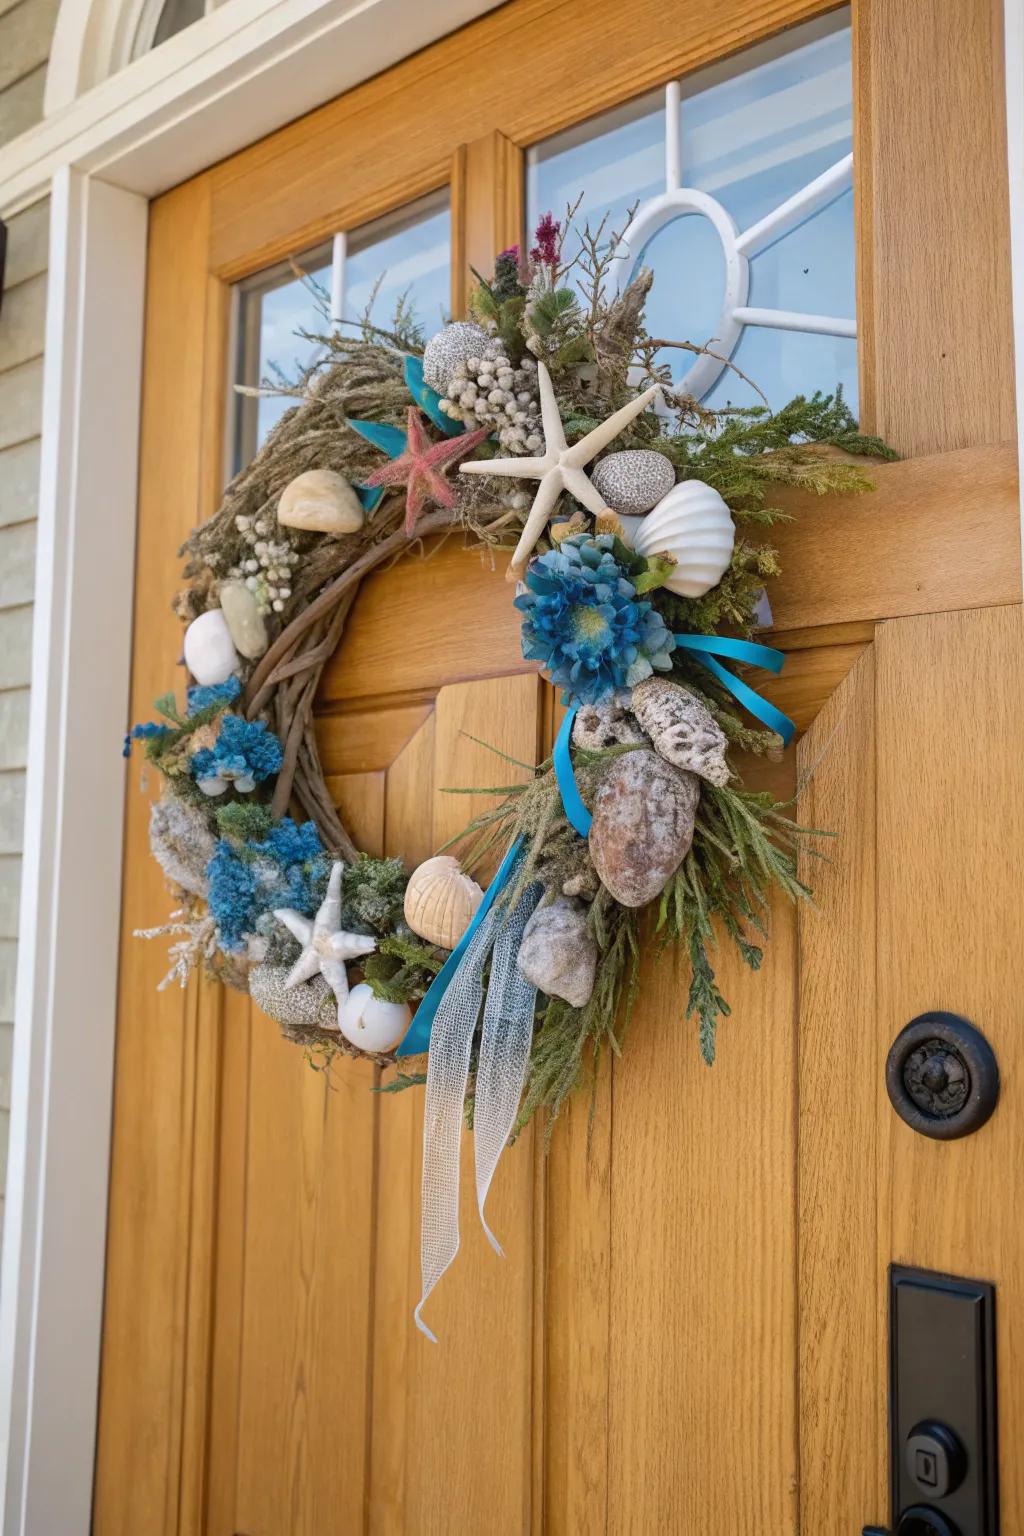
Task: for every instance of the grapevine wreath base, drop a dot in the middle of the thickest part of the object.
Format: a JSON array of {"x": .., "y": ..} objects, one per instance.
[{"x": 546, "y": 425}]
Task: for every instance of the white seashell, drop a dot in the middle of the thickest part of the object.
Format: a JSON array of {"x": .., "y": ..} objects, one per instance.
[
  {"x": 320, "y": 501},
  {"x": 440, "y": 901},
  {"x": 694, "y": 525},
  {"x": 371, "y": 1023},
  {"x": 210, "y": 653},
  {"x": 243, "y": 618}
]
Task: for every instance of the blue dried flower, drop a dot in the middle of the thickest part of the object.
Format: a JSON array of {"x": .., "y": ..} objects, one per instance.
[
  {"x": 244, "y": 754},
  {"x": 287, "y": 868},
  {"x": 586, "y": 624},
  {"x": 146, "y": 732},
  {"x": 202, "y": 696}
]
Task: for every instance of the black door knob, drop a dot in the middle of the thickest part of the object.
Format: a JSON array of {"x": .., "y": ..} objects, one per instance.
[
  {"x": 942, "y": 1076},
  {"x": 921, "y": 1521}
]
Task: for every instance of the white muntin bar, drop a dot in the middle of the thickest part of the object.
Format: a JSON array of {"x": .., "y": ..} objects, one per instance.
[
  {"x": 673, "y": 136},
  {"x": 795, "y": 209},
  {"x": 792, "y": 320},
  {"x": 338, "y": 255}
]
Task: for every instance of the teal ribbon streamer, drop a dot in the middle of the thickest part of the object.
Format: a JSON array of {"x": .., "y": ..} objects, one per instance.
[
  {"x": 427, "y": 399},
  {"x": 708, "y": 647},
  {"x": 572, "y": 801},
  {"x": 417, "y": 1037}
]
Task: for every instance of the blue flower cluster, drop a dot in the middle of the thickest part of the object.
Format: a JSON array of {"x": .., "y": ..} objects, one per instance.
[
  {"x": 198, "y": 699},
  {"x": 245, "y": 753},
  {"x": 201, "y": 697},
  {"x": 586, "y": 624},
  {"x": 287, "y": 868}
]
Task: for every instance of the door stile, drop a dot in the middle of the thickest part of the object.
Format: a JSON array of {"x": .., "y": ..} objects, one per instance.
[{"x": 487, "y": 207}]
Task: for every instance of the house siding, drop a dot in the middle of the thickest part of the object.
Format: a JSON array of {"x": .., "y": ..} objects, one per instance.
[{"x": 25, "y": 30}]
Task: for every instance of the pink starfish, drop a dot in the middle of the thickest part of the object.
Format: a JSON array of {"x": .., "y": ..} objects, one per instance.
[{"x": 421, "y": 468}]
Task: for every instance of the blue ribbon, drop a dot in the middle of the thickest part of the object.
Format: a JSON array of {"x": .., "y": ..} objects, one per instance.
[
  {"x": 766, "y": 656},
  {"x": 417, "y": 1037},
  {"x": 572, "y": 801},
  {"x": 707, "y": 647}
]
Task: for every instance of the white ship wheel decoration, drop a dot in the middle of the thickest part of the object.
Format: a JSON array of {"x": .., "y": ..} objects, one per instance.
[{"x": 738, "y": 247}]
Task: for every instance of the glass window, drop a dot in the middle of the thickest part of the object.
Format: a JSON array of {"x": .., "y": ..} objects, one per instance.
[
  {"x": 752, "y": 133},
  {"x": 281, "y": 311}
]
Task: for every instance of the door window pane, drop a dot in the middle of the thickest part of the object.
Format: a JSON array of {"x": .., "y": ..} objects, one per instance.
[
  {"x": 281, "y": 313},
  {"x": 753, "y": 133}
]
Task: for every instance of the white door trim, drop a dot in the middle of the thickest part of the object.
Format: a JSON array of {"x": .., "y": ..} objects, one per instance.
[{"x": 249, "y": 67}]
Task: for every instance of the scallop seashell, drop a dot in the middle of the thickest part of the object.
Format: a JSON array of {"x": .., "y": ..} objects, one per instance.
[
  {"x": 633, "y": 480},
  {"x": 244, "y": 620},
  {"x": 371, "y": 1023},
  {"x": 320, "y": 501},
  {"x": 210, "y": 653},
  {"x": 440, "y": 901},
  {"x": 694, "y": 525}
]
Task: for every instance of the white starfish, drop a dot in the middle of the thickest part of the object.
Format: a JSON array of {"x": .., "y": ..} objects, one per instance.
[
  {"x": 561, "y": 468},
  {"x": 325, "y": 944}
]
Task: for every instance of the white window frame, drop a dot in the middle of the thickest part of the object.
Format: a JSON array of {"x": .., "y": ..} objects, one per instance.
[{"x": 244, "y": 70}]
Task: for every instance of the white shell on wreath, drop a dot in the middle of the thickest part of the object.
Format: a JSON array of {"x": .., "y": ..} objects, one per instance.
[
  {"x": 453, "y": 344},
  {"x": 210, "y": 653},
  {"x": 370, "y": 1022},
  {"x": 694, "y": 525},
  {"x": 440, "y": 901},
  {"x": 320, "y": 501}
]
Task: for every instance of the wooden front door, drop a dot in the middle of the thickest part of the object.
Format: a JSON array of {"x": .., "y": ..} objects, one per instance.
[{"x": 688, "y": 1334}]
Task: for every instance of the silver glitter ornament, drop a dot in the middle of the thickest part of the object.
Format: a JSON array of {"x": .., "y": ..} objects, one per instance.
[
  {"x": 450, "y": 347},
  {"x": 634, "y": 480}
]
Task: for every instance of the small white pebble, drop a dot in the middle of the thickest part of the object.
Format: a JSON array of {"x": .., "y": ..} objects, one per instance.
[
  {"x": 252, "y": 583},
  {"x": 252, "y": 565},
  {"x": 261, "y": 526},
  {"x": 277, "y": 605},
  {"x": 284, "y": 592}
]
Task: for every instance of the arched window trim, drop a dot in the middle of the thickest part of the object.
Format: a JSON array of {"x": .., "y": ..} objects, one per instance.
[{"x": 94, "y": 39}]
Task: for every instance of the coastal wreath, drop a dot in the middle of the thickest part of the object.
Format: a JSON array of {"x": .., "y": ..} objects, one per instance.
[{"x": 547, "y": 423}]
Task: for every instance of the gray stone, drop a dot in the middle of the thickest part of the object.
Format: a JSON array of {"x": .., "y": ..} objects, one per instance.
[
  {"x": 644, "y": 812},
  {"x": 558, "y": 954}
]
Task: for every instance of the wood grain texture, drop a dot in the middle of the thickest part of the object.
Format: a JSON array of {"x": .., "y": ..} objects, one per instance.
[
  {"x": 149, "y": 1259},
  {"x": 950, "y": 851},
  {"x": 452, "y": 1426},
  {"x": 842, "y": 1386},
  {"x": 936, "y": 533},
  {"x": 356, "y": 158},
  {"x": 934, "y": 305},
  {"x": 486, "y": 208},
  {"x": 703, "y": 1231}
]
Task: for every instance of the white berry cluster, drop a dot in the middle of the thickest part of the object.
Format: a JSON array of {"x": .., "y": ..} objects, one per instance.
[
  {"x": 267, "y": 567},
  {"x": 486, "y": 390}
]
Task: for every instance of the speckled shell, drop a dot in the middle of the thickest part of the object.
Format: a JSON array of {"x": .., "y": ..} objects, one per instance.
[
  {"x": 693, "y": 524},
  {"x": 440, "y": 901},
  {"x": 644, "y": 812},
  {"x": 633, "y": 480},
  {"x": 447, "y": 348},
  {"x": 320, "y": 501},
  {"x": 371, "y": 1023}
]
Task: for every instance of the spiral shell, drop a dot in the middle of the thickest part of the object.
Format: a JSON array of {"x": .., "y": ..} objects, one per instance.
[
  {"x": 694, "y": 525},
  {"x": 440, "y": 901}
]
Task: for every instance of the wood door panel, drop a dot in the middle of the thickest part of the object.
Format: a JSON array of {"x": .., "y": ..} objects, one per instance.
[
  {"x": 842, "y": 1325},
  {"x": 950, "y": 705},
  {"x": 702, "y": 1233}
]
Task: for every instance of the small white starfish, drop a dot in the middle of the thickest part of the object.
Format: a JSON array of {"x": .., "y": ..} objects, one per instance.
[
  {"x": 561, "y": 468},
  {"x": 325, "y": 944}
]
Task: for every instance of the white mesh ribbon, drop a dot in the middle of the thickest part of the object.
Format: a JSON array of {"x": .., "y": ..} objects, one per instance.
[{"x": 504, "y": 1052}]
